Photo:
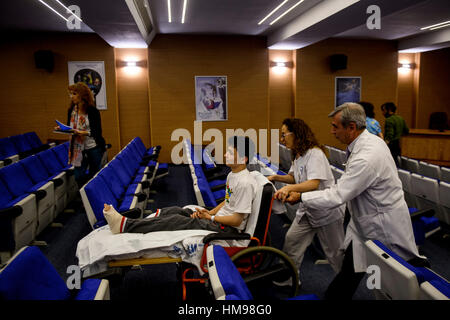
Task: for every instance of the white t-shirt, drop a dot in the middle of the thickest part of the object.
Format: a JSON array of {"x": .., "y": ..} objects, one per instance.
[
  {"x": 314, "y": 165},
  {"x": 239, "y": 195}
]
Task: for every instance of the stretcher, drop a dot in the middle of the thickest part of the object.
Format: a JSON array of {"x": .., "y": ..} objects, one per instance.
[{"x": 101, "y": 250}]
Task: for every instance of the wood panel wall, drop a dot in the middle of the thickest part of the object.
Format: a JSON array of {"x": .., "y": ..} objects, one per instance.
[
  {"x": 33, "y": 98},
  {"x": 375, "y": 61},
  {"x": 174, "y": 61}
]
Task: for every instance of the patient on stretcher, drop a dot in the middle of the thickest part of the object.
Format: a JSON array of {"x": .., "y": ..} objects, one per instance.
[{"x": 229, "y": 216}]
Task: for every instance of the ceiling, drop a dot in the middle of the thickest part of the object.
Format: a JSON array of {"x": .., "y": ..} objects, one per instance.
[{"x": 118, "y": 22}]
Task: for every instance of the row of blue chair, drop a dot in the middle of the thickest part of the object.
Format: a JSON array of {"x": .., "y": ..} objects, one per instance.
[
  {"x": 209, "y": 188},
  {"x": 32, "y": 192},
  {"x": 30, "y": 276},
  {"x": 124, "y": 183},
  {"x": 425, "y": 169},
  {"x": 399, "y": 280},
  {"x": 20, "y": 146}
]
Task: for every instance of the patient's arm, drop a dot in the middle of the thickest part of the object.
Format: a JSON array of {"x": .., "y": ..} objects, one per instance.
[{"x": 233, "y": 220}]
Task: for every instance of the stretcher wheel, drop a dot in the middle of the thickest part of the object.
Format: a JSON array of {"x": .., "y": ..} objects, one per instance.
[{"x": 266, "y": 264}]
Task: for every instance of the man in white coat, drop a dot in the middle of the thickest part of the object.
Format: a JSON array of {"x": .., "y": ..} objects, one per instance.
[{"x": 373, "y": 192}]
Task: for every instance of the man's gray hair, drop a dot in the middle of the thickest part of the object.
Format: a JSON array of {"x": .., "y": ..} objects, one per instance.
[{"x": 351, "y": 112}]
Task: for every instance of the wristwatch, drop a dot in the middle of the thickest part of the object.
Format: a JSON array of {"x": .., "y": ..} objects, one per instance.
[{"x": 212, "y": 218}]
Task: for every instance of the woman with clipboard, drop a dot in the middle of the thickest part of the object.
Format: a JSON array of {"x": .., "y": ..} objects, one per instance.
[{"x": 87, "y": 144}]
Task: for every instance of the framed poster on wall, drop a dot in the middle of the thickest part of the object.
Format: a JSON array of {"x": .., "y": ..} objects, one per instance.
[
  {"x": 211, "y": 98},
  {"x": 347, "y": 89},
  {"x": 92, "y": 73}
]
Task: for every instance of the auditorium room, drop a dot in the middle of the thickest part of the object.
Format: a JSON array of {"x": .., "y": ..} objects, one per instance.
[{"x": 189, "y": 151}]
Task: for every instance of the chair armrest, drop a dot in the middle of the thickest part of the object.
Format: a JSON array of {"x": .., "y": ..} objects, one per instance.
[
  {"x": 11, "y": 212},
  {"x": 225, "y": 236},
  {"x": 218, "y": 187},
  {"x": 141, "y": 196},
  {"x": 40, "y": 194},
  {"x": 429, "y": 212},
  {"x": 57, "y": 182},
  {"x": 133, "y": 213},
  {"x": 145, "y": 184}
]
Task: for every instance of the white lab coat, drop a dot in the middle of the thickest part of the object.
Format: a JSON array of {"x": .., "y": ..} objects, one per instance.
[{"x": 373, "y": 192}]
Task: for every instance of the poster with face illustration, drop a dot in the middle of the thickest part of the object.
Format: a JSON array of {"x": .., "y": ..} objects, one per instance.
[
  {"x": 92, "y": 73},
  {"x": 211, "y": 98}
]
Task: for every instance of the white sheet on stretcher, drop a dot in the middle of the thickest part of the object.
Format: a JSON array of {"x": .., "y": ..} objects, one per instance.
[{"x": 101, "y": 246}]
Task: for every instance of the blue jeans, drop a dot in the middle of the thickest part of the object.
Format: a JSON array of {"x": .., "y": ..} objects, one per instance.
[{"x": 92, "y": 158}]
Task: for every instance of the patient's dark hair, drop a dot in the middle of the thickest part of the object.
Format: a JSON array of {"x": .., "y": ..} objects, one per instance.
[{"x": 244, "y": 146}]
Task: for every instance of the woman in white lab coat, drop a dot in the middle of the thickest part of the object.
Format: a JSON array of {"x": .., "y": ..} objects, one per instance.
[{"x": 310, "y": 171}]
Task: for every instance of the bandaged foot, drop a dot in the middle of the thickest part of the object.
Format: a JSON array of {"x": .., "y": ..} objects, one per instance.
[{"x": 114, "y": 219}]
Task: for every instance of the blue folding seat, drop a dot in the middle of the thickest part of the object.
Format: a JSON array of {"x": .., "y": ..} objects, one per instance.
[
  {"x": 19, "y": 183},
  {"x": 226, "y": 281},
  {"x": 8, "y": 151},
  {"x": 22, "y": 145},
  {"x": 435, "y": 290},
  {"x": 18, "y": 221},
  {"x": 30, "y": 276},
  {"x": 399, "y": 279},
  {"x": 35, "y": 142},
  {"x": 37, "y": 172}
]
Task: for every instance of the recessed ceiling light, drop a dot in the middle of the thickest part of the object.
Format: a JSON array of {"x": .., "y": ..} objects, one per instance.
[
  {"x": 48, "y": 6},
  {"x": 436, "y": 26},
  {"x": 286, "y": 12},
  {"x": 441, "y": 26},
  {"x": 68, "y": 10},
  {"x": 169, "y": 12},
  {"x": 184, "y": 10},
  {"x": 273, "y": 11}
]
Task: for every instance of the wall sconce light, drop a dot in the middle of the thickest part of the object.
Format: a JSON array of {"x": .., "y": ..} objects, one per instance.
[
  {"x": 406, "y": 65},
  {"x": 282, "y": 64},
  {"x": 131, "y": 64}
]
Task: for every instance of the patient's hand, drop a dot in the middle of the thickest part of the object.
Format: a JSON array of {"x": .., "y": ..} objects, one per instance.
[{"x": 201, "y": 213}]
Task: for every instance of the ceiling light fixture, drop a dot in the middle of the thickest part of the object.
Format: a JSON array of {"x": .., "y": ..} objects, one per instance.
[
  {"x": 169, "y": 12},
  {"x": 48, "y": 6},
  {"x": 273, "y": 11},
  {"x": 184, "y": 10},
  {"x": 437, "y": 25},
  {"x": 442, "y": 26},
  {"x": 68, "y": 10},
  {"x": 286, "y": 12}
]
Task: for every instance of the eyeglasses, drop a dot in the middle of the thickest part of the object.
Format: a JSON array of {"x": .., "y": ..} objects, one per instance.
[
  {"x": 71, "y": 93},
  {"x": 283, "y": 135}
]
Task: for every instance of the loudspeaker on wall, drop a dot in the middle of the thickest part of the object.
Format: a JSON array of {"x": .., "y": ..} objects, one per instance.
[
  {"x": 44, "y": 59},
  {"x": 338, "y": 62}
]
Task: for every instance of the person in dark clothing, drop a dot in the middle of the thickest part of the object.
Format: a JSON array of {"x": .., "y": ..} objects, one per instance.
[
  {"x": 394, "y": 128},
  {"x": 87, "y": 144}
]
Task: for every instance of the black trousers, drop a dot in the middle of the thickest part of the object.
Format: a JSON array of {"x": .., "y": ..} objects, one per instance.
[
  {"x": 172, "y": 219},
  {"x": 396, "y": 151},
  {"x": 346, "y": 281}
]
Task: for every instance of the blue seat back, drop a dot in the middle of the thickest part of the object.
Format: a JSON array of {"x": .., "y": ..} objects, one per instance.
[
  {"x": 35, "y": 169},
  {"x": 98, "y": 193},
  {"x": 118, "y": 168},
  {"x": 8, "y": 148},
  {"x": 50, "y": 162},
  {"x": 33, "y": 139},
  {"x": 5, "y": 195},
  {"x": 30, "y": 276},
  {"x": 113, "y": 181},
  {"x": 21, "y": 143},
  {"x": 16, "y": 179},
  {"x": 62, "y": 154},
  {"x": 232, "y": 283}
]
